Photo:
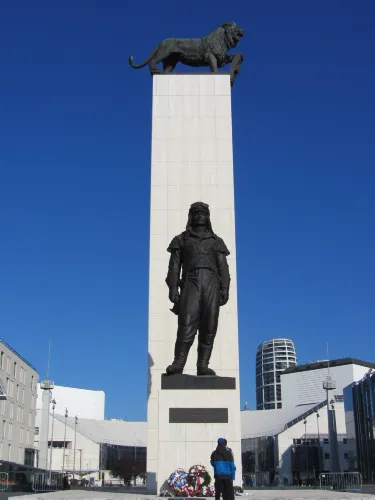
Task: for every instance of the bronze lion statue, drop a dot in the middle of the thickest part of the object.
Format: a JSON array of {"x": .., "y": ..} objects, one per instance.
[{"x": 211, "y": 50}]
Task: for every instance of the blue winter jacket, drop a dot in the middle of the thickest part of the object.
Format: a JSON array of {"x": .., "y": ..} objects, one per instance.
[{"x": 223, "y": 463}]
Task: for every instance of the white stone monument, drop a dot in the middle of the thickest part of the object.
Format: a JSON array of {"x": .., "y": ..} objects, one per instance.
[{"x": 192, "y": 160}]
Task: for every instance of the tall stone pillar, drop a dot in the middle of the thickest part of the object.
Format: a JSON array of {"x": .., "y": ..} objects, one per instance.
[{"x": 192, "y": 160}]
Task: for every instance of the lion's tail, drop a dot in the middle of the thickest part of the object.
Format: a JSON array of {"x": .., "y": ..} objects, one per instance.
[{"x": 135, "y": 66}]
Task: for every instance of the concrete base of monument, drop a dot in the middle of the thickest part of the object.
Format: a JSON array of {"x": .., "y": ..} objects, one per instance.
[
  {"x": 193, "y": 382},
  {"x": 193, "y": 412}
]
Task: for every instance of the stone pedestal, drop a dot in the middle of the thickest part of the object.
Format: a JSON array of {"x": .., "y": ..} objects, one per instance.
[{"x": 192, "y": 160}]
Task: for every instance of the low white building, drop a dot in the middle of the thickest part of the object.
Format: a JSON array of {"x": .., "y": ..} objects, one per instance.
[
  {"x": 273, "y": 439},
  {"x": 81, "y": 402},
  {"x": 295, "y": 443},
  {"x": 303, "y": 384},
  {"x": 59, "y": 400},
  {"x": 82, "y": 442},
  {"x": 80, "y": 447},
  {"x": 18, "y": 382}
]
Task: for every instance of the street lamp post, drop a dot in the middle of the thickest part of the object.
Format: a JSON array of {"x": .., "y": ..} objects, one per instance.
[
  {"x": 307, "y": 454},
  {"x": 53, "y": 421},
  {"x": 64, "y": 450},
  {"x": 319, "y": 449},
  {"x": 80, "y": 459},
  {"x": 75, "y": 442}
]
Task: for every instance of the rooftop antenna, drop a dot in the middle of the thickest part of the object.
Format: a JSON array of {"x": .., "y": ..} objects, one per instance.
[{"x": 49, "y": 360}]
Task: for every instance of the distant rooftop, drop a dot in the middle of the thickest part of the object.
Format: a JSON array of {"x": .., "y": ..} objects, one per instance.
[
  {"x": 332, "y": 364},
  {"x": 17, "y": 354},
  {"x": 109, "y": 431}
]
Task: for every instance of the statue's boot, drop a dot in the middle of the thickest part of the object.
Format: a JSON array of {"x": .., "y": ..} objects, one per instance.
[
  {"x": 181, "y": 352},
  {"x": 204, "y": 355}
]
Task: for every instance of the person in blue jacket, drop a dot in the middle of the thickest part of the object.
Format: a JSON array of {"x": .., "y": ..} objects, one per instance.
[{"x": 224, "y": 470}]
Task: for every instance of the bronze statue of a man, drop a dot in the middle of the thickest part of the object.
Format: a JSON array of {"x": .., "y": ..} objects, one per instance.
[{"x": 204, "y": 284}]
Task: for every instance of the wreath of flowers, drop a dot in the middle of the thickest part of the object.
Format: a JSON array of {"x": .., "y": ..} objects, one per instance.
[{"x": 195, "y": 483}]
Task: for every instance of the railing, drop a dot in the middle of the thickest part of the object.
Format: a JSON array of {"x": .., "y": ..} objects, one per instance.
[
  {"x": 4, "y": 481},
  {"x": 47, "y": 481},
  {"x": 304, "y": 415},
  {"x": 341, "y": 481}
]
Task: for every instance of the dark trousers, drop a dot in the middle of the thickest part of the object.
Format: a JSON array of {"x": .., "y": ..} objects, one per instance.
[
  {"x": 198, "y": 310},
  {"x": 224, "y": 487}
]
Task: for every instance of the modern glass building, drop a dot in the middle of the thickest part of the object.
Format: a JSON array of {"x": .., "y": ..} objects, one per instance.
[
  {"x": 272, "y": 358},
  {"x": 364, "y": 418}
]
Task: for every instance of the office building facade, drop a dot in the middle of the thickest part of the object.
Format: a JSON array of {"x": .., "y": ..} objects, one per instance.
[
  {"x": 363, "y": 408},
  {"x": 19, "y": 380},
  {"x": 272, "y": 358}
]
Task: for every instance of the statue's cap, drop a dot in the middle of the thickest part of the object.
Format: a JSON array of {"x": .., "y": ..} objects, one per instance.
[{"x": 199, "y": 205}]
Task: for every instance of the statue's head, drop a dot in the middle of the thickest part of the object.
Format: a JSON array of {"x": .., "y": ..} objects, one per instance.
[
  {"x": 199, "y": 215},
  {"x": 233, "y": 33}
]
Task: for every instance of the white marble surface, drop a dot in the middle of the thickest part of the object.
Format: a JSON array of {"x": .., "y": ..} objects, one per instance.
[{"x": 192, "y": 160}]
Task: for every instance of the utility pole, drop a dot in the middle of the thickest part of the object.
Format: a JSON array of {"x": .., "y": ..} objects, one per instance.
[
  {"x": 330, "y": 385},
  {"x": 53, "y": 421},
  {"x": 75, "y": 443},
  {"x": 64, "y": 452},
  {"x": 46, "y": 385}
]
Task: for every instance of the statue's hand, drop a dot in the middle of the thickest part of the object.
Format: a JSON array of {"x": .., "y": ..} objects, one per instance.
[
  {"x": 174, "y": 296},
  {"x": 224, "y": 296}
]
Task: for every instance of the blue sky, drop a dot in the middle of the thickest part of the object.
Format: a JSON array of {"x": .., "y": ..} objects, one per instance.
[{"x": 75, "y": 172}]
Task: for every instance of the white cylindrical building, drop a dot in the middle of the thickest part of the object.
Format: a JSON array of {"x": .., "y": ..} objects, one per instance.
[{"x": 272, "y": 358}]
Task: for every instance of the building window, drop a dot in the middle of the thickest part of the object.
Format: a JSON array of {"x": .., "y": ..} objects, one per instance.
[
  {"x": 346, "y": 456},
  {"x": 18, "y": 393},
  {"x": 20, "y": 457},
  {"x": 4, "y": 429},
  {"x": 269, "y": 393},
  {"x": 2, "y": 410},
  {"x": 11, "y": 411},
  {"x": 37, "y": 431},
  {"x": 268, "y": 378},
  {"x": 8, "y": 365},
  {"x": 281, "y": 366},
  {"x": 344, "y": 441},
  {"x": 10, "y": 388},
  {"x": 326, "y": 456},
  {"x": 10, "y": 431},
  {"x": 24, "y": 376},
  {"x": 2, "y": 360},
  {"x": 15, "y": 370},
  {"x": 279, "y": 405},
  {"x": 23, "y": 396},
  {"x": 326, "y": 441},
  {"x": 21, "y": 435},
  {"x": 268, "y": 367},
  {"x": 9, "y": 452},
  {"x": 21, "y": 374},
  {"x": 27, "y": 437},
  {"x": 32, "y": 382}
]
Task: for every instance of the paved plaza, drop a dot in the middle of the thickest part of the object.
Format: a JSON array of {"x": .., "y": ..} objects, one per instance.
[{"x": 295, "y": 494}]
